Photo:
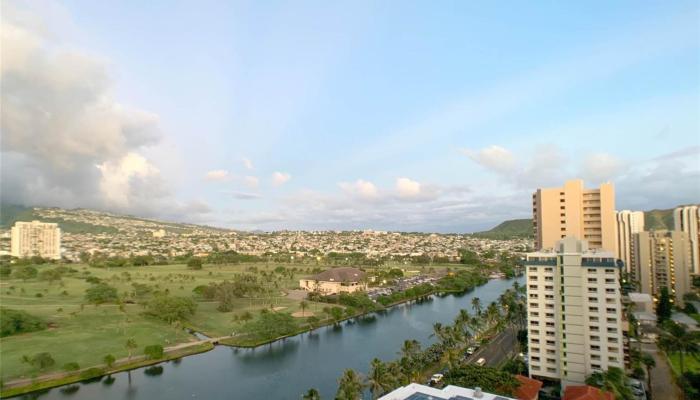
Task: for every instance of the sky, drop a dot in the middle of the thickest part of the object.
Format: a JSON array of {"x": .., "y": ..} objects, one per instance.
[{"x": 395, "y": 115}]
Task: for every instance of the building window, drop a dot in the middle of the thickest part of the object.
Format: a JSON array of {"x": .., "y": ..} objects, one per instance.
[
  {"x": 611, "y": 310},
  {"x": 534, "y": 314},
  {"x": 593, "y": 319},
  {"x": 594, "y": 328},
  {"x": 592, "y": 280},
  {"x": 612, "y": 340},
  {"x": 610, "y": 290},
  {"x": 549, "y": 315},
  {"x": 551, "y": 360},
  {"x": 595, "y": 338},
  {"x": 535, "y": 341},
  {"x": 533, "y": 287},
  {"x": 592, "y": 299},
  {"x": 612, "y": 320},
  {"x": 533, "y": 295},
  {"x": 595, "y": 348},
  {"x": 613, "y": 359},
  {"x": 595, "y": 357},
  {"x": 591, "y": 270},
  {"x": 592, "y": 290},
  {"x": 609, "y": 280},
  {"x": 550, "y": 343},
  {"x": 550, "y": 351},
  {"x": 609, "y": 271},
  {"x": 593, "y": 309},
  {"x": 553, "y": 370}
]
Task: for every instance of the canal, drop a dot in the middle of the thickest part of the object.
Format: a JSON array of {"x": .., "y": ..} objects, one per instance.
[{"x": 287, "y": 368}]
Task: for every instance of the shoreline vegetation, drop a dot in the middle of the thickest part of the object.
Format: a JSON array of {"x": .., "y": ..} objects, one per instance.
[{"x": 463, "y": 279}]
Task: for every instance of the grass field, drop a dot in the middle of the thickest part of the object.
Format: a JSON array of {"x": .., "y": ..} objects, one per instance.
[
  {"x": 85, "y": 333},
  {"x": 691, "y": 363}
]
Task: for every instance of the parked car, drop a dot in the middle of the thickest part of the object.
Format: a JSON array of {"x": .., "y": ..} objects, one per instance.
[
  {"x": 435, "y": 380},
  {"x": 480, "y": 362},
  {"x": 471, "y": 350}
]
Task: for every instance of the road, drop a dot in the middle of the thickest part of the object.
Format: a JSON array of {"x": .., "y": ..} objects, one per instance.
[
  {"x": 662, "y": 385},
  {"x": 497, "y": 350}
]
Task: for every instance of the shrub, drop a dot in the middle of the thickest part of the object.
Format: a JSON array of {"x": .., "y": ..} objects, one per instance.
[
  {"x": 71, "y": 366},
  {"x": 109, "y": 360},
  {"x": 24, "y": 273},
  {"x": 40, "y": 360},
  {"x": 101, "y": 293},
  {"x": 194, "y": 263},
  {"x": 153, "y": 352},
  {"x": 91, "y": 373},
  {"x": 14, "y": 321}
]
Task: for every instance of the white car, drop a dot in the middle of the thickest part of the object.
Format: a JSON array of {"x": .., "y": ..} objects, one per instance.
[
  {"x": 480, "y": 362},
  {"x": 435, "y": 379}
]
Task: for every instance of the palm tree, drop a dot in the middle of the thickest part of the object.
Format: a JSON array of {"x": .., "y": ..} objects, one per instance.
[
  {"x": 303, "y": 306},
  {"x": 349, "y": 386},
  {"x": 476, "y": 305},
  {"x": 677, "y": 339},
  {"x": 378, "y": 380},
  {"x": 649, "y": 363},
  {"x": 613, "y": 380},
  {"x": 312, "y": 394},
  {"x": 130, "y": 345}
]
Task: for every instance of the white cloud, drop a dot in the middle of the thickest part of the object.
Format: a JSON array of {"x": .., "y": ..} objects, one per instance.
[
  {"x": 116, "y": 183},
  {"x": 601, "y": 167},
  {"x": 244, "y": 195},
  {"x": 493, "y": 157},
  {"x": 217, "y": 175},
  {"x": 280, "y": 178},
  {"x": 251, "y": 181},
  {"x": 360, "y": 188},
  {"x": 407, "y": 189},
  {"x": 247, "y": 163}
]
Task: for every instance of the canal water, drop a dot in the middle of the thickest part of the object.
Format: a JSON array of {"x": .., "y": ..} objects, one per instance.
[{"x": 287, "y": 368}]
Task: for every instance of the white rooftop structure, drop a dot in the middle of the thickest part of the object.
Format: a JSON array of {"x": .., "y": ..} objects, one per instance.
[
  {"x": 415, "y": 391},
  {"x": 640, "y": 297}
]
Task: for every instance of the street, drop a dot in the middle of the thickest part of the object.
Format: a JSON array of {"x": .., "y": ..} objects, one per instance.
[{"x": 497, "y": 350}]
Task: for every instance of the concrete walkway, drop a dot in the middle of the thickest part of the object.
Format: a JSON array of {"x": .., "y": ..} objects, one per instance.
[{"x": 662, "y": 385}]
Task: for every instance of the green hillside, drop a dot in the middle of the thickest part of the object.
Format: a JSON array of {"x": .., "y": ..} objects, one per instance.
[
  {"x": 658, "y": 219},
  {"x": 11, "y": 213},
  {"x": 514, "y": 228}
]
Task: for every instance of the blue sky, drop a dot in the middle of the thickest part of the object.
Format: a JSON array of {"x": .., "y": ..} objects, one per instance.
[{"x": 432, "y": 116}]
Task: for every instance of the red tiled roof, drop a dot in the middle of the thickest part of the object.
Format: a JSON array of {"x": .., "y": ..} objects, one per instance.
[
  {"x": 586, "y": 393},
  {"x": 528, "y": 389}
]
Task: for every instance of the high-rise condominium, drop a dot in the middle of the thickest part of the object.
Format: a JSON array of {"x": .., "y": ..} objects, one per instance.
[
  {"x": 572, "y": 210},
  {"x": 687, "y": 219},
  {"x": 574, "y": 310},
  {"x": 663, "y": 260},
  {"x": 628, "y": 223},
  {"x": 36, "y": 239}
]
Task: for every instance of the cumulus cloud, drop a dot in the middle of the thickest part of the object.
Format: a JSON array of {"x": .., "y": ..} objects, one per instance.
[
  {"x": 251, "y": 181},
  {"x": 406, "y": 188},
  {"x": 280, "y": 178},
  {"x": 360, "y": 188},
  {"x": 493, "y": 157},
  {"x": 217, "y": 175},
  {"x": 601, "y": 167},
  {"x": 66, "y": 141}
]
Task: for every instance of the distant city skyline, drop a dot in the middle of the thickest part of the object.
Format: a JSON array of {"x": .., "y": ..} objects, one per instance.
[{"x": 440, "y": 117}]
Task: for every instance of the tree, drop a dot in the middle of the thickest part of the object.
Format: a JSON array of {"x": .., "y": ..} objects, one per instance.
[
  {"x": 663, "y": 307},
  {"x": 489, "y": 379},
  {"x": 171, "y": 308},
  {"x": 130, "y": 346},
  {"x": 101, "y": 293},
  {"x": 349, "y": 386},
  {"x": 50, "y": 275},
  {"x": 303, "y": 306},
  {"x": 614, "y": 381},
  {"x": 378, "y": 379},
  {"x": 476, "y": 305},
  {"x": 24, "y": 272},
  {"x": 15, "y": 321},
  {"x": 649, "y": 363},
  {"x": 194, "y": 263},
  {"x": 312, "y": 394},
  {"x": 153, "y": 352},
  {"x": 109, "y": 360},
  {"x": 40, "y": 360},
  {"x": 677, "y": 339}
]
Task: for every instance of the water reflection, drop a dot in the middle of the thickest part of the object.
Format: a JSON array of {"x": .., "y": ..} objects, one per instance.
[
  {"x": 109, "y": 380},
  {"x": 69, "y": 390},
  {"x": 155, "y": 370}
]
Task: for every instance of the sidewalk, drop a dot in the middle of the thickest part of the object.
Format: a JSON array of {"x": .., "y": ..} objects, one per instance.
[{"x": 662, "y": 385}]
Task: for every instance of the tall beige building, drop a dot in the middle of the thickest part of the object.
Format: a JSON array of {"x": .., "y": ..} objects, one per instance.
[
  {"x": 36, "y": 239},
  {"x": 687, "y": 219},
  {"x": 572, "y": 210},
  {"x": 627, "y": 224},
  {"x": 575, "y": 324},
  {"x": 663, "y": 260}
]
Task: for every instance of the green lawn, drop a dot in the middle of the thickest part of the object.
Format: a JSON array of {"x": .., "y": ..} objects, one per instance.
[
  {"x": 691, "y": 363},
  {"x": 86, "y": 333}
]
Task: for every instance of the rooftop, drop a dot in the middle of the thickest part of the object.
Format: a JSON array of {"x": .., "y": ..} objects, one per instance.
[
  {"x": 343, "y": 274},
  {"x": 528, "y": 389},
  {"x": 415, "y": 391},
  {"x": 586, "y": 393}
]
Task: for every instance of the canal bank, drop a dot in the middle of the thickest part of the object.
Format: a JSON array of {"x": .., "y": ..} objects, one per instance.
[{"x": 288, "y": 367}]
